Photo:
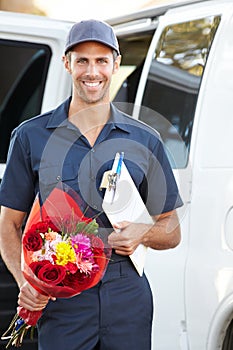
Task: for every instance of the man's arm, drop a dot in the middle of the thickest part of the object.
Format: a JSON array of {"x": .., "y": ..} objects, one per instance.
[
  {"x": 163, "y": 234},
  {"x": 10, "y": 241},
  {"x": 10, "y": 247}
]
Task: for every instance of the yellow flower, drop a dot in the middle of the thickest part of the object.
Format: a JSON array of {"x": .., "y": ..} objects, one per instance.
[{"x": 64, "y": 253}]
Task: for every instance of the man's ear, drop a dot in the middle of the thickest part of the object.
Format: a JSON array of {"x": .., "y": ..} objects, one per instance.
[
  {"x": 66, "y": 62},
  {"x": 117, "y": 63}
]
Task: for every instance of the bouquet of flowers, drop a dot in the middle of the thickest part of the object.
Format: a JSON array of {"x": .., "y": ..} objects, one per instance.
[{"x": 62, "y": 255}]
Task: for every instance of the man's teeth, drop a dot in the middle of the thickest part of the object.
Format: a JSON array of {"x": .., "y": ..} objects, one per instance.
[{"x": 91, "y": 84}]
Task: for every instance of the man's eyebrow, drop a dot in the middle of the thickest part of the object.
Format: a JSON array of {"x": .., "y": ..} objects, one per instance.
[
  {"x": 103, "y": 57},
  {"x": 96, "y": 57},
  {"x": 81, "y": 56}
]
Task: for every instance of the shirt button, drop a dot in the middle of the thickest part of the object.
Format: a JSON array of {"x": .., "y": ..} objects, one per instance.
[
  {"x": 92, "y": 178},
  {"x": 95, "y": 206},
  {"x": 93, "y": 150},
  {"x": 58, "y": 178}
]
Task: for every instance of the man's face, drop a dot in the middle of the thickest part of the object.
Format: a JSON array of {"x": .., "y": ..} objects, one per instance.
[{"x": 91, "y": 66}]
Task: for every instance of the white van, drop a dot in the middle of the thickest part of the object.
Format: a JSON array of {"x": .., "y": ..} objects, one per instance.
[{"x": 177, "y": 76}]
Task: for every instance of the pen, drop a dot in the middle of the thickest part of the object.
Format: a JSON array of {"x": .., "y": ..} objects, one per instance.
[
  {"x": 115, "y": 176},
  {"x": 118, "y": 169}
]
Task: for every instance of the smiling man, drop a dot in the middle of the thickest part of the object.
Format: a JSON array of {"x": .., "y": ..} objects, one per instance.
[
  {"x": 91, "y": 65},
  {"x": 76, "y": 143},
  {"x": 88, "y": 60}
]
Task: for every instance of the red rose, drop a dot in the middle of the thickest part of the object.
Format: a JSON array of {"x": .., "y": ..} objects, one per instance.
[
  {"x": 32, "y": 241},
  {"x": 72, "y": 268},
  {"x": 52, "y": 274},
  {"x": 44, "y": 226},
  {"x": 40, "y": 227},
  {"x": 71, "y": 281},
  {"x": 35, "y": 266},
  {"x": 78, "y": 281}
]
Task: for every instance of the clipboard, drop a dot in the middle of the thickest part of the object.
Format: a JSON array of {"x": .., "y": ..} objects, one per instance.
[{"x": 122, "y": 202}]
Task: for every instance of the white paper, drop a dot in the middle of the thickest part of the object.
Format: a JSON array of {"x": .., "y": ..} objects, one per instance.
[{"x": 126, "y": 204}]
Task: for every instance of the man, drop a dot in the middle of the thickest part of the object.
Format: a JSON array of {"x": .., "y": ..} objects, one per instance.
[{"x": 76, "y": 143}]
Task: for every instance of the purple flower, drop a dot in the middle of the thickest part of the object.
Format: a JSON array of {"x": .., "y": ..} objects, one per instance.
[{"x": 82, "y": 246}]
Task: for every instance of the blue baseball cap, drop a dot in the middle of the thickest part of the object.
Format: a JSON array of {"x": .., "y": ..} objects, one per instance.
[{"x": 92, "y": 30}]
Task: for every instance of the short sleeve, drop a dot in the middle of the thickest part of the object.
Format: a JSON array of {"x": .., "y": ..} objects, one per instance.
[
  {"x": 163, "y": 195},
  {"x": 17, "y": 186}
]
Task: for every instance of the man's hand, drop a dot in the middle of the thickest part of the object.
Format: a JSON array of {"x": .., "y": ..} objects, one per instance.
[
  {"x": 31, "y": 299},
  {"x": 127, "y": 236},
  {"x": 163, "y": 234}
]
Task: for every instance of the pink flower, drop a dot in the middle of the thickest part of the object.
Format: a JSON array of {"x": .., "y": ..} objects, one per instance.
[{"x": 82, "y": 246}]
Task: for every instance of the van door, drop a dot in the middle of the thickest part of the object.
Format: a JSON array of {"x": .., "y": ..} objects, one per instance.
[
  {"x": 169, "y": 97},
  {"x": 24, "y": 68},
  {"x": 33, "y": 79},
  {"x": 189, "y": 83}
]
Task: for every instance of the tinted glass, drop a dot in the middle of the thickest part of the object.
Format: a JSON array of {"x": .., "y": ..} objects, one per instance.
[
  {"x": 23, "y": 71},
  {"x": 133, "y": 49},
  {"x": 173, "y": 83}
]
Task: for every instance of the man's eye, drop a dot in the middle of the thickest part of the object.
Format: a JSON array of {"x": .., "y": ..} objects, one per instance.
[
  {"x": 81, "y": 60},
  {"x": 102, "y": 60}
]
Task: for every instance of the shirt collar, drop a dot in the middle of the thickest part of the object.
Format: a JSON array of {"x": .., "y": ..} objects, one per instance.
[
  {"x": 117, "y": 119},
  {"x": 59, "y": 117}
]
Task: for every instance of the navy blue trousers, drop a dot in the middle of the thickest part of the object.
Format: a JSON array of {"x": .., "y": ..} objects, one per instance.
[{"x": 116, "y": 314}]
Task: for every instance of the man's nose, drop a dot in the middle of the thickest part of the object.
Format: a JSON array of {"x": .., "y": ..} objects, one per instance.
[{"x": 92, "y": 69}]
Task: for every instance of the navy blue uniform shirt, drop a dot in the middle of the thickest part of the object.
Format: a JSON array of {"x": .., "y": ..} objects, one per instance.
[{"x": 48, "y": 149}]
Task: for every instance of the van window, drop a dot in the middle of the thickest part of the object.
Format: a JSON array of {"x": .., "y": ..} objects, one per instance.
[
  {"x": 124, "y": 85},
  {"x": 23, "y": 71},
  {"x": 173, "y": 83}
]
